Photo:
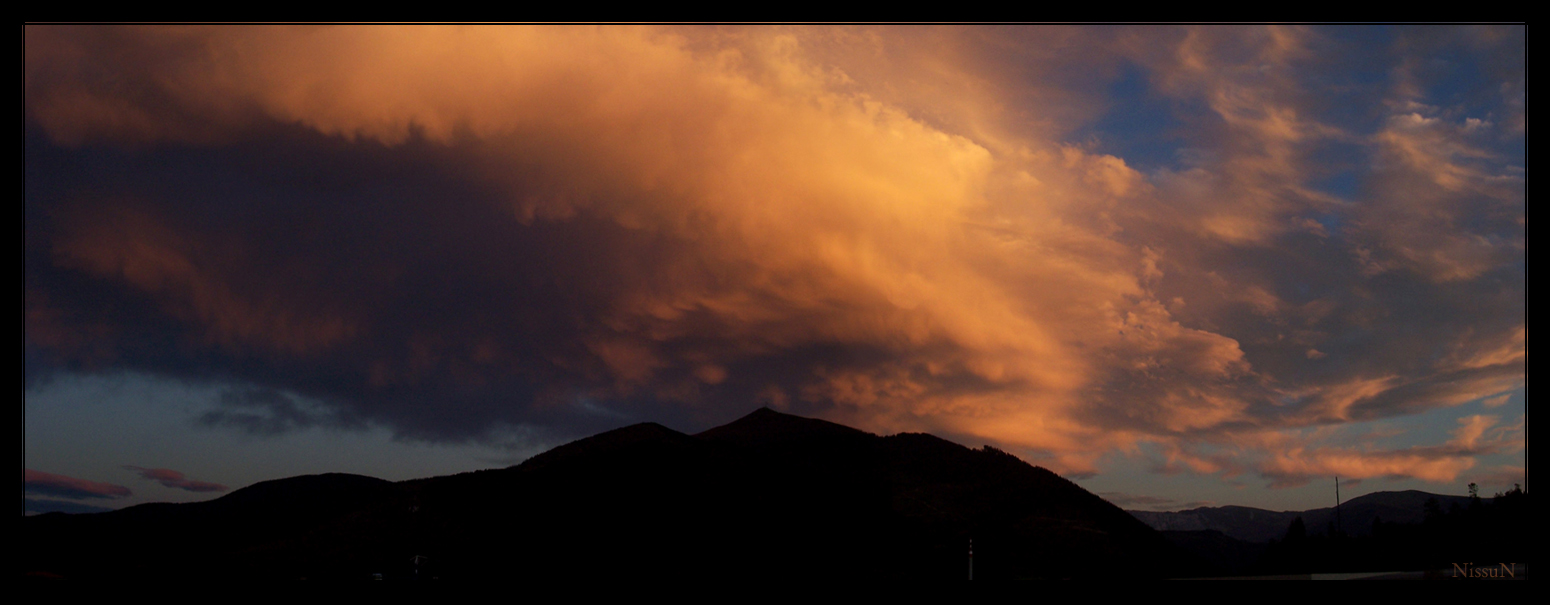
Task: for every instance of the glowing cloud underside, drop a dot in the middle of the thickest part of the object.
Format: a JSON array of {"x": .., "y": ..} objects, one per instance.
[{"x": 452, "y": 229}]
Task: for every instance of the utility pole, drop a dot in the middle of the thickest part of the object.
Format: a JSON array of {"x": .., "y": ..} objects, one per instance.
[{"x": 1338, "y": 525}]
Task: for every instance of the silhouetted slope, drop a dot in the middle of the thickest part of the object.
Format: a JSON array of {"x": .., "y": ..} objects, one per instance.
[
  {"x": 1025, "y": 520},
  {"x": 618, "y": 443},
  {"x": 767, "y": 496},
  {"x": 1418, "y": 531},
  {"x": 1258, "y": 525},
  {"x": 1407, "y": 506},
  {"x": 1240, "y": 522},
  {"x": 316, "y": 525},
  {"x": 641, "y": 501}
]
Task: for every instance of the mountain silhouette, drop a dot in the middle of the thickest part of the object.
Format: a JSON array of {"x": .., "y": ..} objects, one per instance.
[
  {"x": 1259, "y": 525},
  {"x": 768, "y": 496}
]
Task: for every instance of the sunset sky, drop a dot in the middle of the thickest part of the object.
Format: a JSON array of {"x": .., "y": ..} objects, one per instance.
[{"x": 1181, "y": 266}]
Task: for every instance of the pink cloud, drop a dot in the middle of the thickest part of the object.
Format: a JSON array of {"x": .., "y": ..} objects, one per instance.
[
  {"x": 39, "y": 482},
  {"x": 176, "y": 480}
]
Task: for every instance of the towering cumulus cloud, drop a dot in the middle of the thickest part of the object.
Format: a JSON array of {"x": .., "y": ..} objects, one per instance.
[{"x": 447, "y": 230}]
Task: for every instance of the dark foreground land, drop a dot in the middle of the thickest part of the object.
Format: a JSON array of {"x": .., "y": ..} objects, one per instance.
[
  {"x": 768, "y": 496},
  {"x": 1430, "y": 535}
]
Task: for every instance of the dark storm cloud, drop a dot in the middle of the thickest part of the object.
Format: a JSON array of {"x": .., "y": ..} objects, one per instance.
[
  {"x": 351, "y": 275},
  {"x": 449, "y": 231}
]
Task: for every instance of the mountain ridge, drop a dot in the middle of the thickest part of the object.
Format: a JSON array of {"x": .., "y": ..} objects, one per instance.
[
  {"x": 1259, "y": 525},
  {"x": 768, "y": 495}
]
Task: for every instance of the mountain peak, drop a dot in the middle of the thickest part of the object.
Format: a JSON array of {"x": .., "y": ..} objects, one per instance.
[
  {"x": 765, "y": 426},
  {"x": 764, "y": 494}
]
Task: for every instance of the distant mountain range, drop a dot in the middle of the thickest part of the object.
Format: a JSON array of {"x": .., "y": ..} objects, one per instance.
[
  {"x": 768, "y": 496},
  {"x": 1258, "y": 525}
]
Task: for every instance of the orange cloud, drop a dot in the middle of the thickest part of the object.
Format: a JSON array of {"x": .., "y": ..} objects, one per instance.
[
  {"x": 831, "y": 219},
  {"x": 122, "y": 243}
]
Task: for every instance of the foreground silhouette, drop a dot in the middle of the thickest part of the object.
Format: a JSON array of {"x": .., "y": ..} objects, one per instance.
[{"x": 768, "y": 496}]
